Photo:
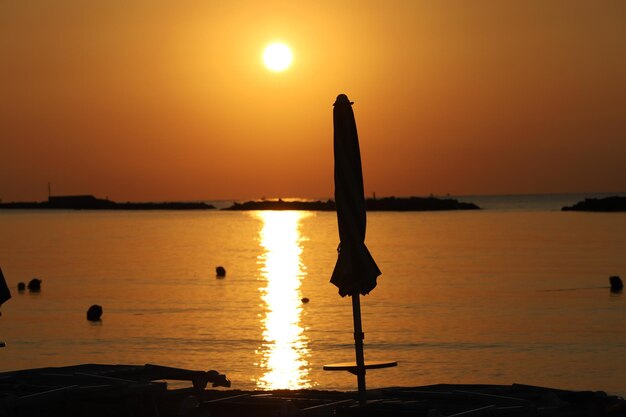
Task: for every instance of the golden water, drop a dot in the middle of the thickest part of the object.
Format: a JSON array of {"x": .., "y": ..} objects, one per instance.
[{"x": 470, "y": 297}]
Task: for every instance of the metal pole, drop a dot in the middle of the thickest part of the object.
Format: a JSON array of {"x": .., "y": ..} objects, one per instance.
[{"x": 358, "y": 348}]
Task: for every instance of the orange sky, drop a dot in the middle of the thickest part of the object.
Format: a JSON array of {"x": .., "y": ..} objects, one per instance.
[{"x": 169, "y": 100}]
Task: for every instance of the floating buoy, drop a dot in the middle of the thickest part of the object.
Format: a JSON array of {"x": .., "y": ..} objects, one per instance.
[
  {"x": 34, "y": 285},
  {"x": 616, "y": 284},
  {"x": 94, "y": 313},
  {"x": 220, "y": 271},
  {"x": 304, "y": 300}
]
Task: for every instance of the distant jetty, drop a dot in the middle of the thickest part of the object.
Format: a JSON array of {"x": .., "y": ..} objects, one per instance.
[
  {"x": 89, "y": 202},
  {"x": 417, "y": 204},
  {"x": 372, "y": 204},
  {"x": 283, "y": 205},
  {"x": 607, "y": 204}
]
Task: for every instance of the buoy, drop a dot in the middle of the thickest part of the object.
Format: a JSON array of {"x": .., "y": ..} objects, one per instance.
[
  {"x": 94, "y": 313},
  {"x": 305, "y": 300},
  {"x": 34, "y": 285},
  {"x": 616, "y": 284},
  {"x": 220, "y": 271}
]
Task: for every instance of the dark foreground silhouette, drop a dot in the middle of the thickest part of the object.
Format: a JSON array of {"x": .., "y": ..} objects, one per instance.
[
  {"x": 610, "y": 204},
  {"x": 94, "y": 390},
  {"x": 89, "y": 202},
  {"x": 372, "y": 204}
]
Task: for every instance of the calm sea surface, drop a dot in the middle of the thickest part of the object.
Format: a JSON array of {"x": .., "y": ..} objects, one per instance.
[{"x": 517, "y": 292}]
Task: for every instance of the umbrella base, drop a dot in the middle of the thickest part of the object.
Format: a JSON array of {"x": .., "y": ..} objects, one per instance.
[{"x": 353, "y": 368}]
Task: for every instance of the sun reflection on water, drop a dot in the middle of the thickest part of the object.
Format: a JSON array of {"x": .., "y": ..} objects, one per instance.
[{"x": 285, "y": 349}]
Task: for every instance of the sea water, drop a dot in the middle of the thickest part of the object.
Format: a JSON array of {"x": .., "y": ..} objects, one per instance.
[{"x": 515, "y": 293}]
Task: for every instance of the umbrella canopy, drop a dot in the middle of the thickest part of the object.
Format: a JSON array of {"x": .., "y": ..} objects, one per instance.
[{"x": 355, "y": 271}]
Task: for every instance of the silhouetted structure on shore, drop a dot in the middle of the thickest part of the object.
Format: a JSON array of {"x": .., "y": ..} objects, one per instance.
[
  {"x": 78, "y": 201},
  {"x": 417, "y": 204},
  {"x": 372, "y": 204},
  {"x": 89, "y": 202},
  {"x": 609, "y": 204},
  {"x": 284, "y": 205}
]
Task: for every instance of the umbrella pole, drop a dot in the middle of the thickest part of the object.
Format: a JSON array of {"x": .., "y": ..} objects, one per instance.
[{"x": 358, "y": 348}]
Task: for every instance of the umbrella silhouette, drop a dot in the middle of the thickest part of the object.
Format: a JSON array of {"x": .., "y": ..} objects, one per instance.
[{"x": 356, "y": 271}]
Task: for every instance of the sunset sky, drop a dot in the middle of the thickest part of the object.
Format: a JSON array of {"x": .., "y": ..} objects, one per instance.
[{"x": 170, "y": 100}]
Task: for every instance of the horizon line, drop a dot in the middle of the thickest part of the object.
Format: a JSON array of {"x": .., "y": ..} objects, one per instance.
[{"x": 373, "y": 195}]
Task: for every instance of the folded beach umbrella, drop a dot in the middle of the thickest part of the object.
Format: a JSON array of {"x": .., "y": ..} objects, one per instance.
[{"x": 355, "y": 272}]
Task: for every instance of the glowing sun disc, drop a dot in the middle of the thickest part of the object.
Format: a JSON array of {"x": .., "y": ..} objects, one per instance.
[{"x": 277, "y": 57}]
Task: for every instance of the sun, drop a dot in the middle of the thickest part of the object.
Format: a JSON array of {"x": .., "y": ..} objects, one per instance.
[{"x": 277, "y": 57}]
